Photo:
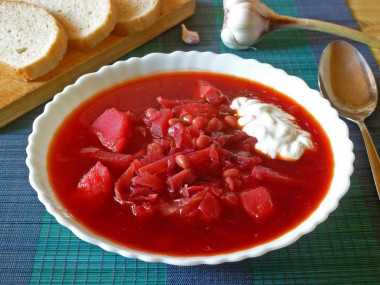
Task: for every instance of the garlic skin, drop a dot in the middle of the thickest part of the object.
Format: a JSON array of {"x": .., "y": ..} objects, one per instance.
[
  {"x": 245, "y": 23},
  {"x": 189, "y": 37}
]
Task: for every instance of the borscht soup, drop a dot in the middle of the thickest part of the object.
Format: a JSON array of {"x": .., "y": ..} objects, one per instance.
[{"x": 190, "y": 164}]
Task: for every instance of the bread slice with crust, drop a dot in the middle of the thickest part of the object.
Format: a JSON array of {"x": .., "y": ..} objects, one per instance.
[
  {"x": 32, "y": 41},
  {"x": 136, "y": 15},
  {"x": 87, "y": 22}
]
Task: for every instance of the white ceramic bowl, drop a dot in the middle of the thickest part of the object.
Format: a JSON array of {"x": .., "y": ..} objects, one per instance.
[{"x": 88, "y": 85}]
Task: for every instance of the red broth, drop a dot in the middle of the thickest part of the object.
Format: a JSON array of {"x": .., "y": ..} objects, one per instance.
[{"x": 235, "y": 230}]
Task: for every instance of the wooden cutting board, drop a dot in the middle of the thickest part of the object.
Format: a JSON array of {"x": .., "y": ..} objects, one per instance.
[{"x": 17, "y": 97}]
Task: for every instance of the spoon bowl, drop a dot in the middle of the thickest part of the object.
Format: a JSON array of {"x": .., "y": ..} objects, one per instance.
[{"x": 346, "y": 80}]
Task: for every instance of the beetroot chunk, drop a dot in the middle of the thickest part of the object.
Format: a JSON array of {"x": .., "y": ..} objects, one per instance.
[
  {"x": 113, "y": 129},
  {"x": 210, "y": 207},
  {"x": 159, "y": 123},
  {"x": 181, "y": 136},
  {"x": 257, "y": 202},
  {"x": 96, "y": 182},
  {"x": 208, "y": 92}
]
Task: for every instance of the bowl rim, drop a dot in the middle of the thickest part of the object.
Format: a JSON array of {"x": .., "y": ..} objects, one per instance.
[{"x": 89, "y": 85}]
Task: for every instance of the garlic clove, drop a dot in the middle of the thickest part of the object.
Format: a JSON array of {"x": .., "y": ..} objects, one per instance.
[
  {"x": 243, "y": 25},
  {"x": 189, "y": 37},
  {"x": 229, "y": 40}
]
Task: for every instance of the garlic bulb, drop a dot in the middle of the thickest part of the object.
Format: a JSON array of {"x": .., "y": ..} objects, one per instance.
[
  {"x": 243, "y": 25},
  {"x": 189, "y": 37},
  {"x": 248, "y": 21}
]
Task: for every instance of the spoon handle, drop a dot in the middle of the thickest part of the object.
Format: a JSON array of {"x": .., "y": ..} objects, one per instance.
[{"x": 372, "y": 155}]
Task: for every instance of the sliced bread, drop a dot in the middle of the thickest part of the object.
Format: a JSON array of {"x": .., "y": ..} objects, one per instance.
[
  {"x": 87, "y": 22},
  {"x": 136, "y": 15},
  {"x": 32, "y": 41}
]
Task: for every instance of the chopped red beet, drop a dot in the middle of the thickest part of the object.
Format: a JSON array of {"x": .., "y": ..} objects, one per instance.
[
  {"x": 200, "y": 156},
  {"x": 214, "y": 158},
  {"x": 233, "y": 184},
  {"x": 150, "y": 180},
  {"x": 181, "y": 136},
  {"x": 152, "y": 156},
  {"x": 210, "y": 207},
  {"x": 188, "y": 191},
  {"x": 165, "y": 143},
  {"x": 137, "y": 191},
  {"x": 155, "y": 167},
  {"x": 113, "y": 129},
  {"x": 265, "y": 173},
  {"x": 187, "y": 207},
  {"x": 235, "y": 136},
  {"x": 167, "y": 103},
  {"x": 257, "y": 202},
  {"x": 159, "y": 123},
  {"x": 95, "y": 186},
  {"x": 197, "y": 110},
  {"x": 230, "y": 199},
  {"x": 124, "y": 182},
  {"x": 143, "y": 210},
  {"x": 186, "y": 176},
  {"x": 97, "y": 180},
  {"x": 246, "y": 144},
  {"x": 245, "y": 160},
  {"x": 211, "y": 94},
  {"x": 120, "y": 160}
]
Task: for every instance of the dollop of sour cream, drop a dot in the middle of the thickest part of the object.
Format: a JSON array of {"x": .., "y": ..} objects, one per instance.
[{"x": 276, "y": 132}]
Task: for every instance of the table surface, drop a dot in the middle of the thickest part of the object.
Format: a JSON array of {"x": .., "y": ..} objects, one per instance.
[{"x": 35, "y": 249}]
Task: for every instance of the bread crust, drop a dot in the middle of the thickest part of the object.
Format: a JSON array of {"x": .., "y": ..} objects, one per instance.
[
  {"x": 137, "y": 23},
  {"x": 45, "y": 63}
]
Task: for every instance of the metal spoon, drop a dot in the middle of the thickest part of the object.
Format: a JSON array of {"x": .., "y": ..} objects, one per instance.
[{"x": 346, "y": 80}]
